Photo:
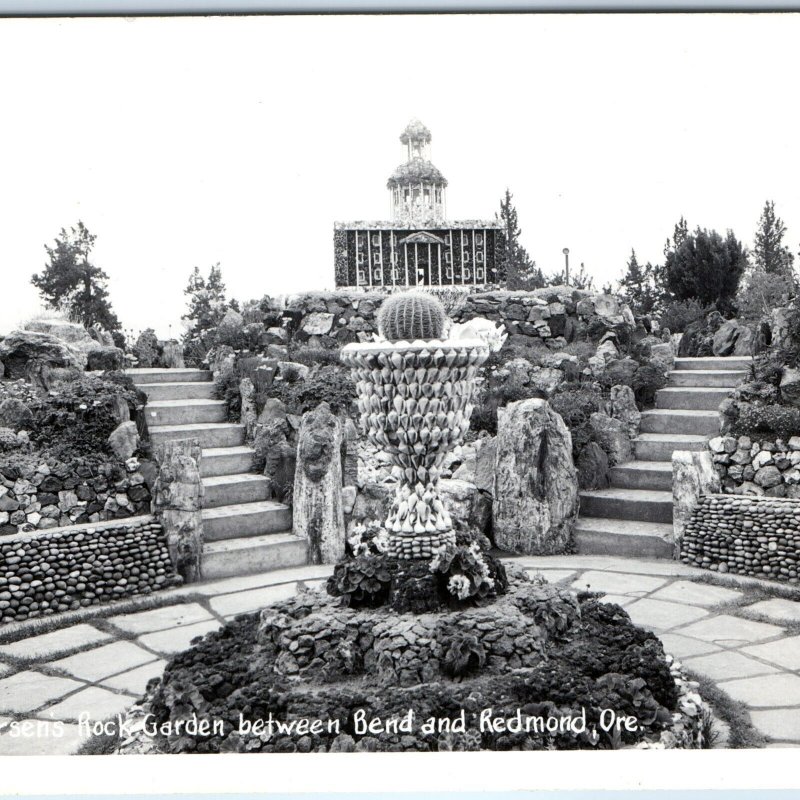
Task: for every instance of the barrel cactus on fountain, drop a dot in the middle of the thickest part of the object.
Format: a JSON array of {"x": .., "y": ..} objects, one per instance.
[{"x": 415, "y": 391}]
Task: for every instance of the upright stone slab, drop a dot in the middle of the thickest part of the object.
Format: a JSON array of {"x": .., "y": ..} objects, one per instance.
[
  {"x": 693, "y": 475},
  {"x": 318, "y": 514},
  {"x": 248, "y": 415},
  {"x": 173, "y": 355},
  {"x": 178, "y": 503},
  {"x": 535, "y": 483}
]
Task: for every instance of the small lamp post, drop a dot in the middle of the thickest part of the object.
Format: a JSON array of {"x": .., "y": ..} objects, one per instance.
[{"x": 565, "y": 251}]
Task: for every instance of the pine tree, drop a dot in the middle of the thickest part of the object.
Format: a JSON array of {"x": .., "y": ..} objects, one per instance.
[
  {"x": 520, "y": 270},
  {"x": 707, "y": 268},
  {"x": 770, "y": 254},
  {"x": 638, "y": 285},
  {"x": 71, "y": 283},
  {"x": 207, "y": 303}
]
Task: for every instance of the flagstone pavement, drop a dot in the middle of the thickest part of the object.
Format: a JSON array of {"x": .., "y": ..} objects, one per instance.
[{"x": 100, "y": 665}]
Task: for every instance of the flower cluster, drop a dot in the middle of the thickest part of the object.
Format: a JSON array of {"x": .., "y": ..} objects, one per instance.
[
  {"x": 466, "y": 570},
  {"x": 368, "y": 539},
  {"x": 480, "y": 328}
]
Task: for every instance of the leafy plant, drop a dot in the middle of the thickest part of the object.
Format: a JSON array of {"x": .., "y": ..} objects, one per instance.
[
  {"x": 463, "y": 654},
  {"x": 361, "y": 582},
  {"x": 679, "y": 314},
  {"x": 761, "y": 419},
  {"x": 468, "y": 572}
]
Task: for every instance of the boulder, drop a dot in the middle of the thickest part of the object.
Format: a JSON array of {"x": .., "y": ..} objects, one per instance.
[
  {"x": 147, "y": 350},
  {"x": 608, "y": 350},
  {"x": 593, "y": 467},
  {"x": 172, "y": 356},
  {"x": 24, "y": 353},
  {"x": 546, "y": 379},
  {"x": 623, "y": 408},
  {"x": 767, "y": 477},
  {"x": 317, "y": 324},
  {"x": 277, "y": 456},
  {"x": 621, "y": 370},
  {"x": 790, "y": 386},
  {"x": 318, "y": 515},
  {"x": 724, "y": 341},
  {"x": 612, "y": 436},
  {"x": 693, "y": 475},
  {"x": 663, "y": 356},
  {"x": 273, "y": 409},
  {"x": 14, "y": 414},
  {"x": 101, "y": 335},
  {"x": 230, "y": 326},
  {"x": 470, "y": 509},
  {"x": 745, "y": 342},
  {"x": 124, "y": 440},
  {"x": 101, "y": 359},
  {"x": 535, "y": 481},
  {"x": 72, "y": 332}
]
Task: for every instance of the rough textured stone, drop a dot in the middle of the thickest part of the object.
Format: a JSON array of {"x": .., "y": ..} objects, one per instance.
[
  {"x": 593, "y": 467},
  {"x": 247, "y": 414},
  {"x": 317, "y": 324},
  {"x": 178, "y": 504},
  {"x": 25, "y": 353},
  {"x": 623, "y": 408},
  {"x": 790, "y": 386},
  {"x": 693, "y": 475},
  {"x": 124, "y": 440},
  {"x": 172, "y": 355},
  {"x": 725, "y": 338},
  {"x": 318, "y": 514},
  {"x": 612, "y": 435},
  {"x": 14, "y": 414},
  {"x": 105, "y": 358},
  {"x": 536, "y": 486}
]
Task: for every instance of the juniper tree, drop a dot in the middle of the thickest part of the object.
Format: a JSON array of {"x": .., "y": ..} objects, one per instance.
[
  {"x": 71, "y": 283},
  {"x": 207, "y": 302},
  {"x": 638, "y": 285},
  {"x": 769, "y": 253},
  {"x": 520, "y": 270}
]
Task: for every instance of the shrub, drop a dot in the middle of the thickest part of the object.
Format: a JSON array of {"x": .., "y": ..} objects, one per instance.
[
  {"x": 770, "y": 420},
  {"x": 647, "y": 380},
  {"x": 80, "y": 417},
  {"x": 331, "y": 383},
  {"x": 576, "y": 402},
  {"x": 467, "y": 571},
  {"x": 681, "y": 313},
  {"x": 313, "y": 356},
  {"x": 761, "y": 292}
]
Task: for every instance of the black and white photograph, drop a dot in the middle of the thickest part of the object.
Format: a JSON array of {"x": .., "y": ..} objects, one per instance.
[{"x": 380, "y": 383}]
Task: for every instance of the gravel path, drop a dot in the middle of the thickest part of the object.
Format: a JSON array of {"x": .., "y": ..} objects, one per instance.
[{"x": 99, "y": 665}]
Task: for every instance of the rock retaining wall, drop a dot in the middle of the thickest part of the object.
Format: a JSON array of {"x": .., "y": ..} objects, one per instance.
[
  {"x": 336, "y": 318},
  {"x": 757, "y": 467},
  {"x": 756, "y": 536},
  {"x": 45, "y": 572},
  {"x": 49, "y": 495}
]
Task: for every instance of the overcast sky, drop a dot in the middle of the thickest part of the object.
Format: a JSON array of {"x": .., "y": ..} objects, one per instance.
[{"x": 183, "y": 142}]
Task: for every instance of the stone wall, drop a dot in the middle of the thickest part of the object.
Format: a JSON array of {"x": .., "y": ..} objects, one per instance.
[
  {"x": 756, "y": 536},
  {"x": 768, "y": 467},
  {"x": 336, "y": 318},
  {"x": 557, "y": 311},
  {"x": 49, "y": 495},
  {"x": 64, "y": 569}
]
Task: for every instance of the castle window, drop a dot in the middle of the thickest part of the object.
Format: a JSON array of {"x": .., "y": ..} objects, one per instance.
[
  {"x": 448, "y": 257},
  {"x": 376, "y": 240},
  {"x": 479, "y": 274},
  {"x": 362, "y": 276},
  {"x": 377, "y": 257},
  {"x": 360, "y": 258},
  {"x": 376, "y": 274},
  {"x": 449, "y": 273},
  {"x": 467, "y": 273},
  {"x": 478, "y": 238},
  {"x": 479, "y": 258},
  {"x": 466, "y": 257}
]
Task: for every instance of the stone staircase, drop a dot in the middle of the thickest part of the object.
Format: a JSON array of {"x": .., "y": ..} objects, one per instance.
[
  {"x": 633, "y": 517},
  {"x": 244, "y": 533}
]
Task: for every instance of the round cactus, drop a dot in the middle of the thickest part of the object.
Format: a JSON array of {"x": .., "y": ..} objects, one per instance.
[{"x": 411, "y": 315}]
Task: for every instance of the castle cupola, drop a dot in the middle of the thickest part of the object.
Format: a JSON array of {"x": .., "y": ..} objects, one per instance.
[{"x": 417, "y": 188}]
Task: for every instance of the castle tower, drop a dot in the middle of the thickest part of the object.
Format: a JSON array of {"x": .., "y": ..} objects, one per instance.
[{"x": 417, "y": 188}]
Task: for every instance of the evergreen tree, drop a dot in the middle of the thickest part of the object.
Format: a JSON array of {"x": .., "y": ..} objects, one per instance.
[
  {"x": 520, "y": 270},
  {"x": 207, "y": 303},
  {"x": 638, "y": 285},
  {"x": 706, "y": 267},
  {"x": 71, "y": 283},
  {"x": 770, "y": 254}
]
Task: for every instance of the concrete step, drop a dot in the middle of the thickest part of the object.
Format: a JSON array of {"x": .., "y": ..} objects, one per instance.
[
  {"x": 713, "y": 362},
  {"x": 226, "y": 490},
  {"x": 645, "y": 505},
  {"x": 152, "y": 375},
  {"x": 236, "y": 557},
  {"x": 622, "y": 537},
  {"x": 200, "y": 390},
  {"x": 185, "y": 412},
  {"x": 728, "y": 379},
  {"x": 209, "y": 434},
  {"x": 655, "y": 475},
  {"x": 660, "y": 446},
  {"x": 245, "y": 519},
  {"x": 704, "y": 399},
  {"x": 216, "y": 461},
  {"x": 679, "y": 420}
]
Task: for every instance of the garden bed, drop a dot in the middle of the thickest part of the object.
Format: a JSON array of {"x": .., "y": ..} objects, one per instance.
[{"x": 539, "y": 668}]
